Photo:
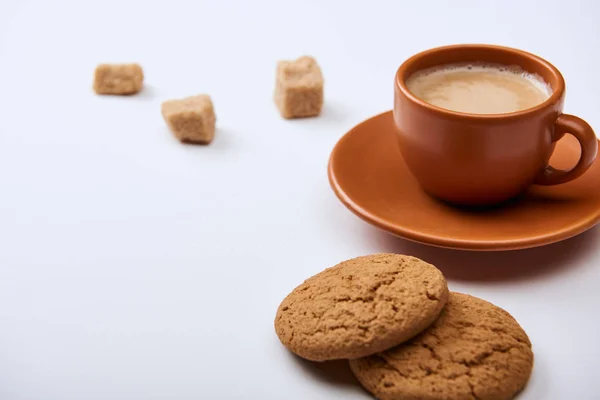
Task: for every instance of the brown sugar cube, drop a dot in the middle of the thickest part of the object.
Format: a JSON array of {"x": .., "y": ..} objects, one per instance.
[
  {"x": 119, "y": 79},
  {"x": 299, "y": 88},
  {"x": 191, "y": 119}
]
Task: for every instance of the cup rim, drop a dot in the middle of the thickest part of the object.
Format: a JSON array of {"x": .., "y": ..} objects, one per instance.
[{"x": 557, "y": 92}]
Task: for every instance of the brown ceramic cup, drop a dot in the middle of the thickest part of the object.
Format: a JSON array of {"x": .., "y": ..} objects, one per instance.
[{"x": 484, "y": 159}]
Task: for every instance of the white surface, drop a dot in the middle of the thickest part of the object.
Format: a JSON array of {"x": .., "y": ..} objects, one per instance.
[{"x": 136, "y": 268}]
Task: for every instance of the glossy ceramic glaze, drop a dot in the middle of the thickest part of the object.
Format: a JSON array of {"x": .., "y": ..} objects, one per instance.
[
  {"x": 478, "y": 159},
  {"x": 367, "y": 173}
]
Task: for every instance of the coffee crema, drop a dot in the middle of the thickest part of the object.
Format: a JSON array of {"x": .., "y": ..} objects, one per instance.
[{"x": 479, "y": 88}]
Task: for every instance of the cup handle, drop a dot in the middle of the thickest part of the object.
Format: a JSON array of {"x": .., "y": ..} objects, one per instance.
[{"x": 584, "y": 133}]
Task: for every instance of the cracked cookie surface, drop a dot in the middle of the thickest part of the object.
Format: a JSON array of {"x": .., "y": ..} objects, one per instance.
[
  {"x": 360, "y": 307},
  {"x": 473, "y": 351}
]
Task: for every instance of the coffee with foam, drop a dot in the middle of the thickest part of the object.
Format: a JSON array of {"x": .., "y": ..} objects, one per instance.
[{"x": 479, "y": 88}]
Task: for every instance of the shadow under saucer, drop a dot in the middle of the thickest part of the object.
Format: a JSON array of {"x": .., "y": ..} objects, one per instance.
[{"x": 462, "y": 265}]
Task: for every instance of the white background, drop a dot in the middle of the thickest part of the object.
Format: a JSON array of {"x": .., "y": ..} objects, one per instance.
[{"x": 136, "y": 268}]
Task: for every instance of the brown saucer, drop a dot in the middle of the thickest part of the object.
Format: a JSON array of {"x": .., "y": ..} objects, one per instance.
[{"x": 367, "y": 174}]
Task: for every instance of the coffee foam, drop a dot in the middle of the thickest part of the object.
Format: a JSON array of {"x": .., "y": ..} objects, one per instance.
[
  {"x": 532, "y": 78},
  {"x": 483, "y": 96}
]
